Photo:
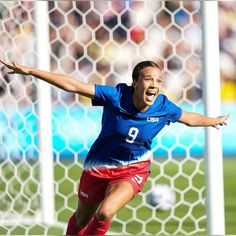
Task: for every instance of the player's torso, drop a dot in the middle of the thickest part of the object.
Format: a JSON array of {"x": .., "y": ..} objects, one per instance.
[
  {"x": 129, "y": 128},
  {"x": 124, "y": 139},
  {"x": 127, "y": 133}
]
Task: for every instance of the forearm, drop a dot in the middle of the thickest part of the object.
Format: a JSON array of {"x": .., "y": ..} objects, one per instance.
[
  {"x": 195, "y": 119},
  {"x": 61, "y": 81}
]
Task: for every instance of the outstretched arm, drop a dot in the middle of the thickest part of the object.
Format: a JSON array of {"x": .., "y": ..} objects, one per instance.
[
  {"x": 61, "y": 81},
  {"x": 195, "y": 119}
]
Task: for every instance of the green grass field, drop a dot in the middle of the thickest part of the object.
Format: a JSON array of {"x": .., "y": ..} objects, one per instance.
[
  {"x": 230, "y": 195},
  {"x": 189, "y": 217}
]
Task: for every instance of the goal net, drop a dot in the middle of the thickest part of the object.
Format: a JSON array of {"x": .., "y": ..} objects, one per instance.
[{"x": 99, "y": 42}]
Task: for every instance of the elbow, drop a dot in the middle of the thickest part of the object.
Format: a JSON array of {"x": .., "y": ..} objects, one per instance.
[
  {"x": 70, "y": 87},
  {"x": 68, "y": 84},
  {"x": 191, "y": 119},
  {"x": 188, "y": 124},
  {"x": 191, "y": 123}
]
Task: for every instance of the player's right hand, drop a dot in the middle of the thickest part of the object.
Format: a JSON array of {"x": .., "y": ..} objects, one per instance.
[
  {"x": 220, "y": 121},
  {"x": 16, "y": 69}
]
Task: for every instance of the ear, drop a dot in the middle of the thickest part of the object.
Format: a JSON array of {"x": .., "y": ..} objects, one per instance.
[{"x": 134, "y": 83}]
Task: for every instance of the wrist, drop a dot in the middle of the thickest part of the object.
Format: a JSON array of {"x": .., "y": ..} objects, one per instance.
[{"x": 31, "y": 71}]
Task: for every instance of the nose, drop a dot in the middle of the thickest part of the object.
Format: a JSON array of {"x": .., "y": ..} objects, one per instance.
[{"x": 154, "y": 84}]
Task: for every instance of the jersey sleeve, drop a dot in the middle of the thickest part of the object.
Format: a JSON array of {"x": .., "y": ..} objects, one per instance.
[
  {"x": 104, "y": 95},
  {"x": 174, "y": 112}
]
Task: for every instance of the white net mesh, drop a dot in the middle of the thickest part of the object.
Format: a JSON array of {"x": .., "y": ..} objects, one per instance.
[{"x": 99, "y": 42}]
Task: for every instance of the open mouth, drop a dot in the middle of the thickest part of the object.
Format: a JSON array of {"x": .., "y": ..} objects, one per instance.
[{"x": 150, "y": 96}]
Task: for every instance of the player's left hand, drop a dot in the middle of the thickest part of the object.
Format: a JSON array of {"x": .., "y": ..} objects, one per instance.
[
  {"x": 16, "y": 69},
  {"x": 220, "y": 121}
]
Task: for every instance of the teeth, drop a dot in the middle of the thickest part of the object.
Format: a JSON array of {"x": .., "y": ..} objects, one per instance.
[
  {"x": 153, "y": 93},
  {"x": 149, "y": 94},
  {"x": 150, "y": 97}
]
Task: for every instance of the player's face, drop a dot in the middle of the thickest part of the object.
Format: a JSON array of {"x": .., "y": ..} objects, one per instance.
[{"x": 147, "y": 87}]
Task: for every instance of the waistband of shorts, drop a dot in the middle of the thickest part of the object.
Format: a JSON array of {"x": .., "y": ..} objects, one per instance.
[{"x": 103, "y": 172}]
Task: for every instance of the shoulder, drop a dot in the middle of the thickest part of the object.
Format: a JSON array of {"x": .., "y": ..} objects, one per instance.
[
  {"x": 105, "y": 94},
  {"x": 104, "y": 90},
  {"x": 163, "y": 106},
  {"x": 122, "y": 87},
  {"x": 164, "y": 100},
  {"x": 123, "y": 91},
  {"x": 162, "y": 97},
  {"x": 172, "y": 111},
  {"x": 161, "y": 101}
]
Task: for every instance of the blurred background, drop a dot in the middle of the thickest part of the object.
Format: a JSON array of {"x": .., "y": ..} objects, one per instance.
[{"x": 100, "y": 42}]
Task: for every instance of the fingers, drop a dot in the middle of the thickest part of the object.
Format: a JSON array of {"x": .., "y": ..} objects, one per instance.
[
  {"x": 227, "y": 116},
  {"x": 3, "y": 62},
  {"x": 224, "y": 123},
  {"x": 12, "y": 66},
  {"x": 221, "y": 123},
  {"x": 221, "y": 120},
  {"x": 217, "y": 126},
  {"x": 8, "y": 65},
  {"x": 11, "y": 72},
  {"x": 15, "y": 65},
  {"x": 224, "y": 119}
]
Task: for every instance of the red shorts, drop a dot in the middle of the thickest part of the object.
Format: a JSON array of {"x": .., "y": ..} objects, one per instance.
[{"x": 92, "y": 188}]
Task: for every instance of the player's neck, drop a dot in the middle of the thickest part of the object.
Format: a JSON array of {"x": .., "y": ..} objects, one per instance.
[{"x": 138, "y": 103}]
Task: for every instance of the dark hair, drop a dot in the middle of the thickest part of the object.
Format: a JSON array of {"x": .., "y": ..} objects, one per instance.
[{"x": 141, "y": 65}]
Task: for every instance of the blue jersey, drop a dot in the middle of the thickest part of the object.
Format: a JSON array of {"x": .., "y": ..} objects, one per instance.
[{"x": 126, "y": 135}]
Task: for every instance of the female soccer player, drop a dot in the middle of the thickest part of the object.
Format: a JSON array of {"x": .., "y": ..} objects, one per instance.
[{"x": 117, "y": 165}]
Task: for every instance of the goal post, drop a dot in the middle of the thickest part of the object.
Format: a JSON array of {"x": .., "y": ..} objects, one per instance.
[
  {"x": 211, "y": 82},
  {"x": 45, "y": 114}
]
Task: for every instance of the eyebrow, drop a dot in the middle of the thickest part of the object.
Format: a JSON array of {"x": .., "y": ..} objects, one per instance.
[{"x": 151, "y": 76}]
